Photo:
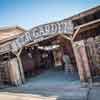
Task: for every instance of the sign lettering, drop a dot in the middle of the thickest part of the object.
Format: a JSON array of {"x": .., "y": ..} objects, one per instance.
[{"x": 36, "y": 33}]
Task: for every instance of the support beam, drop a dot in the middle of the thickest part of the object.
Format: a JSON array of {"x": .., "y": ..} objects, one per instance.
[
  {"x": 64, "y": 36},
  {"x": 78, "y": 62},
  {"x": 82, "y": 61},
  {"x": 75, "y": 34},
  {"x": 14, "y": 72},
  {"x": 20, "y": 65},
  {"x": 87, "y": 24},
  {"x": 85, "y": 62}
]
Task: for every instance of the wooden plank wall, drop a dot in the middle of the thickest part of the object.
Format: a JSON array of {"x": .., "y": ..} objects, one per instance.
[
  {"x": 93, "y": 52},
  {"x": 4, "y": 72},
  {"x": 14, "y": 72},
  {"x": 82, "y": 61}
]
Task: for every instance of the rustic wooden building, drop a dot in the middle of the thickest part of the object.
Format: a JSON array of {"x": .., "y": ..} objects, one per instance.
[
  {"x": 8, "y": 70},
  {"x": 86, "y": 43},
  {"x": 77, "y": 36}
]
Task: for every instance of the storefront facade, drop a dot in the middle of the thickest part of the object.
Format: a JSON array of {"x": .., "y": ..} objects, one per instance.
[{"x": 77, "y": 37}]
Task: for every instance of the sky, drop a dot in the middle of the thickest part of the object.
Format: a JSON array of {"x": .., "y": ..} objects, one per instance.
[{"x": 30, "y": 13}]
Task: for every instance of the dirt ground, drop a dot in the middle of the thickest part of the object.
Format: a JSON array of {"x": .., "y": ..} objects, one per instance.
[{"x": 50, "y": 85}]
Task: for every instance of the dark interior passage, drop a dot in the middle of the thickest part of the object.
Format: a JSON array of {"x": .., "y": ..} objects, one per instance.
[{"x": 48, "y": 55}]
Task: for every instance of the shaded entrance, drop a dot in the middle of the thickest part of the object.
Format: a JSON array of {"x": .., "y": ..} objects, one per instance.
[{"x": 47, "y": 57}]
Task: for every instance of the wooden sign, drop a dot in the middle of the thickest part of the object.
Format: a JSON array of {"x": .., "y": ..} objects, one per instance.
[
  {"x": 64, "y": 26},
  {"x": 42, "y": 31},
  {"x": 36, "y": 33},
  {"x": 5, "y": 48}
]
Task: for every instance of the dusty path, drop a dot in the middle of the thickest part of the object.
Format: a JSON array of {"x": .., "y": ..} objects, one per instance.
[{"x": 51, "y": 85}]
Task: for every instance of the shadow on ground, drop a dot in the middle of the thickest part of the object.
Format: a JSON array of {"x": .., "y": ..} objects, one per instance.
[{"x": 52, "y": 83}]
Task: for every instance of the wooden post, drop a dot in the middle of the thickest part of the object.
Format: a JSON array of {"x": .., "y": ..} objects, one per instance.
[
  {"x": 82, "y": 61},
  {"x": 78, "y": 62},
  {"x": 20, "y": 65},
  {"x": 14, "y": 72},
  {"x": 92, "y": 48},
  {"x": 85, "y": 62}
]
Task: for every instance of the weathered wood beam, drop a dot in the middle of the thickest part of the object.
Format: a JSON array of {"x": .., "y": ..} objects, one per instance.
[
  {"x": 80, "y": 28},
  {"x": 64, "y": 36},
  {"x": 75, "y": 34},
  {"x": 14, "y": 72},
  {"x": 90, "y": 28},
  {"x": 20, "y": 51},
  {"x": 78, "y": 62},
  {"x": 85, "y": 62},
  {"x": 20, "y": 65},
  {"x": 87, "y": 24},
  {"x": 82, "y": 61}
]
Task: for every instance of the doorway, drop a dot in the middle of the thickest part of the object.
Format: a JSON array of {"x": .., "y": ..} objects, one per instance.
[{"x": 47, "y": 57}]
